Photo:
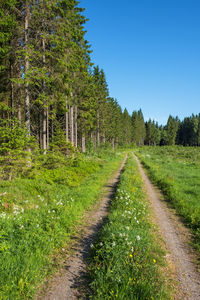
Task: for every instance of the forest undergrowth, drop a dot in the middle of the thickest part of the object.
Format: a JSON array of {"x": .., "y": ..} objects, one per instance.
[{"x": 40, "y": 210}]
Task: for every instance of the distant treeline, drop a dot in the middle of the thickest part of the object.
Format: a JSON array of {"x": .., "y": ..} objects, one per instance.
[
  {"x": 51, "y": 93},
  {"x": 186, "y": 132}
]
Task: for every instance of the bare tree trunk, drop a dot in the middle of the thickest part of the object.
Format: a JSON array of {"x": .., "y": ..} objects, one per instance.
[
  {"x": 11, "y": 89},
  {"x": 38, "y": 131},
  {"x": 94, "y": 140},
  {"x": 71, "y": 124},
  {"x": 44, "y": 117},
  {"x": 52, "y": 128},
  {"x": 19, "y": 113},
  {"x": 19, "y": 105},
  {"x": 26, "y": 68},
  {"x": 47, "y": 128},
  {"x": 98, "y": 129},
  {"x": 44, "y": 130},
  {"x": 83, "y": 143},
  {"x": 76, "y": 126},
  {"x": 113, "y": 143},
  {"x": 104, "y": 138},
  {"x": 67, "y": 122}
]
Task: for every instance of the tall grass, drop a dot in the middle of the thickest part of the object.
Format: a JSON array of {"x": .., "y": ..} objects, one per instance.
[
  {"x": 176, "y": 170},
  {"x": 126, "y": 261},
  {"x": 39, "y": 214}
]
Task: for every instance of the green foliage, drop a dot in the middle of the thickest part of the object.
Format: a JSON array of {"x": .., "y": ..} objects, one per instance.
[
  {"x": 13, "y": 137},
  {"x": 38, "y": 215},
  {"x": 138, "y": 128},
  {"x": 171, "y": 130},
  {"x": 15, "y": 148},
  {"x": 126, "y": 259},
  {"x": 59, "y": 143}
]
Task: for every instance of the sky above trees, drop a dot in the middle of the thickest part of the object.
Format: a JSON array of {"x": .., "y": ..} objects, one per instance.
[{"x": 150, "y": 52}]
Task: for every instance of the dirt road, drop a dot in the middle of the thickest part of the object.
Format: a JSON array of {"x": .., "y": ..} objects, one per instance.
[
  {"x": 175, "y": 237},
  {"x": 71, "y": 284}
]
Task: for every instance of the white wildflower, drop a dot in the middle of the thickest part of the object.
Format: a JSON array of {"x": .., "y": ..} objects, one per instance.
[
  {"x": 138, "y": 238},
  {"x": 3, "y": 194},
  {"x": 3, "y": 215}
]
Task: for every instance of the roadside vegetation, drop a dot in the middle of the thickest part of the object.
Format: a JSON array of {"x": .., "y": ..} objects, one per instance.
[
  {"x": 40, "y": 210},
  {"x": 176, "y": 170},
  {"x": 126, "y": 261}
]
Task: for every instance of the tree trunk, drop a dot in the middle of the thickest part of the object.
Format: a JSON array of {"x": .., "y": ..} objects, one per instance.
[
  {"x": 26, "y": 68},
  {"x": 11, "y": 89},
  {"x": 19, "y": 105},
  {"x": 44, "y": 130},
  {"x": 98, "y": 129},
  {"x": 94, "y": 140},
  {"x": 71, "y": 121},
  {"x": 44, "y": 117},
  {"x": 104, "y": 138},
  {"x": 76, "y": 126},
  {"x": 113, "y": 143},
  {"x": 83, "y": 143},
  {"x": 47, "y": 128},
  {"x": 67, "y": 122}
]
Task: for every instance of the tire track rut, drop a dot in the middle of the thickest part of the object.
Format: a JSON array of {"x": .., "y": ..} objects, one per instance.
[
  {"x": 71, "y": 284},
  {"x": 177, "y": 251}
]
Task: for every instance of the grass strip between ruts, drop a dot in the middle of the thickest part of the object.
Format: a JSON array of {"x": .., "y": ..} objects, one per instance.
[{"x": 126, "y": 261}]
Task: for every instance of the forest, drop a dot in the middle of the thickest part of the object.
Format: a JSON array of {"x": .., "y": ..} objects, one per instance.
[{"x": 53, "y": 97}]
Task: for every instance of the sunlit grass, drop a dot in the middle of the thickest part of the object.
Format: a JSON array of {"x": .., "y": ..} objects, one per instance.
[
  {"x": 38, "y": 215},
  {"x": 176, "y": 170},
  {"x": 125, "y": 261}
]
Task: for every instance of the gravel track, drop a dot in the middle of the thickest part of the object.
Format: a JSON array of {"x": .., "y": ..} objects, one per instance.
[
  {"x": 176, "y": 241},
  {"x": 71, "y": 282}
]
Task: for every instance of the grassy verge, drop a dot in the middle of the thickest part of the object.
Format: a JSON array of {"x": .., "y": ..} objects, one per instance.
[
  {"x": 176, "y": 170},
  {"x": 39, "y": 214},
  {"x": 126, "y": 261}
]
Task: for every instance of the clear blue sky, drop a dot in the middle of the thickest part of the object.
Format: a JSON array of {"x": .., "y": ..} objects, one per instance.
[{"x": 150, "y": 52}]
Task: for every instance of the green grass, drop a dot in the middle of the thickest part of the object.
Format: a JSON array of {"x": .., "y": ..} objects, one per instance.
[
  {"x": 176, "y": 170},
  {"x": 126, "y": 261},
  {"x": 40, "y": 213}
]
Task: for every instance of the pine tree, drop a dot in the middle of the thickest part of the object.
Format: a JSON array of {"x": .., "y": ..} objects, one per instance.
[
  {"x": 126, "y": 125},
  {"x": 138, "y": 128},
  {"x": 171, "y": 130}
]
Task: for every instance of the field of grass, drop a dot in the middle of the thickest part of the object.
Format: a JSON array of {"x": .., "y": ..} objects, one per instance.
[
  {"x": 176, "y": 170},
  {"x": 127, "y": 260},
  {"x": 40, "y": 211}
]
